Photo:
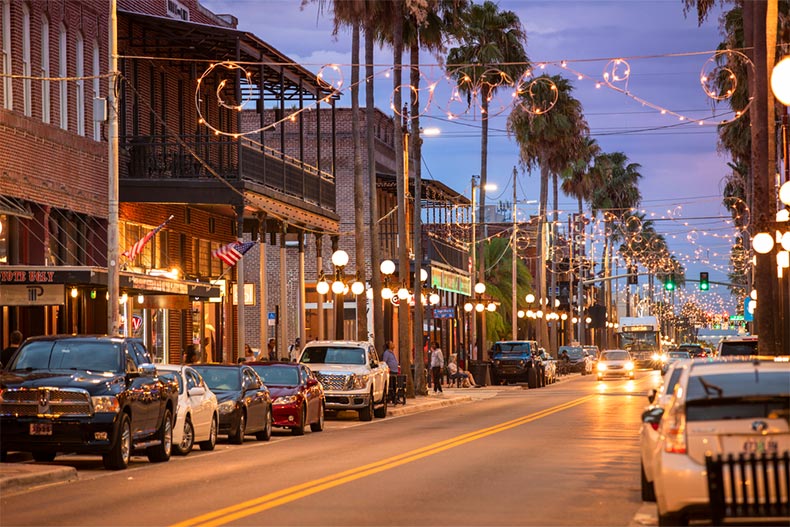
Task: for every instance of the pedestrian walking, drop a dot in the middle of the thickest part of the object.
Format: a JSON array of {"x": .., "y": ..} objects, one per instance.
[
  {"x": 271, "y": 349},
  {"x": 437, "y": 365},
  {"x": 294, "y": 349}
]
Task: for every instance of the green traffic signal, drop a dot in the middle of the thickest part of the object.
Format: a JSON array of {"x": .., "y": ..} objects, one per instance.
[
  {"x": 704, "y": 285},
  {"x": 669, "y": 284}
]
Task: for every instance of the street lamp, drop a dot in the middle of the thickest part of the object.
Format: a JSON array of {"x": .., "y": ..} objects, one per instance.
[{"x": 339, "y": 287}]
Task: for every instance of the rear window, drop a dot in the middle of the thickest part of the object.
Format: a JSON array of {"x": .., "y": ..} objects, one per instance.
[
  {"x": 772, "y": 408},
  {"x": 333, "y": 355},
  {"x": 739, "y": 348},
  {"x": 735, "y": 385}
]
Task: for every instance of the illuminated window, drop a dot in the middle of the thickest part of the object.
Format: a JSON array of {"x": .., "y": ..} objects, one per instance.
[{"x": 45, "y": 73}]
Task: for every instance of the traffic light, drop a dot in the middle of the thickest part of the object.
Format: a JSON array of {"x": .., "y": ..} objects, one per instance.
[
  {"x": 669, "y": 283},
  {"x": 633, "y": 278},
  {"x": 704, "y": 285}
]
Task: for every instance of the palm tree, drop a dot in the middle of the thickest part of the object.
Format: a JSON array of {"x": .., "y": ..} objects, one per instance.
[
  {"x": 552, "y": 141},
  {"x": 578, "y": 181},
  {"x": 490, "y": 39}
]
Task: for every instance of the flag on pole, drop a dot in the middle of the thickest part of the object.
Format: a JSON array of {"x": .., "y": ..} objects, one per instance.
[
  {"x": 232, "y": 253},
  {"x": 137, "y": 248}
]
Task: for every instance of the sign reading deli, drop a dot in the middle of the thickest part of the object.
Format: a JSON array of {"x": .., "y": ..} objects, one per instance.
[{"x": 32, "y": 295}]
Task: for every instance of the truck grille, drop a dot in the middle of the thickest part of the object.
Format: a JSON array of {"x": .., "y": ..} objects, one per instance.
[
  {"x": 45, "y": 402},
  {"x": 334, "y": 382}
]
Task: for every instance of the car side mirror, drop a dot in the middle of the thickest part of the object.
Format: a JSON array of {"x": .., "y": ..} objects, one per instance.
[
  {"x": 652, "y": 417},
  {"x": 651, "y": 396},
  {"x": 311, "y": 383},
  {"x": 147, "y": 369},
  {"x": 196, "y": 391}
]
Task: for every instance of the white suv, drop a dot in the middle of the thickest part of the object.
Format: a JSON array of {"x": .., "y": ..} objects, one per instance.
[
  {"x": 352, "y": 375},
  {"x": 723, "y": 408}
]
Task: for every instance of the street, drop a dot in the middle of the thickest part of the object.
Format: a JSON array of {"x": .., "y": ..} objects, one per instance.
[{"x": 566, "y": 454}]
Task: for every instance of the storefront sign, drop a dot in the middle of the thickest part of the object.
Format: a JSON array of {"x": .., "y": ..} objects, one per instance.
[
  {"x": 26, "y": 277},
  {"x": 160, "y": 285},
  {"x": 444, "y": 312},
  {"x": 32, "y": 295},
  {"x": 249, "y": 295}
]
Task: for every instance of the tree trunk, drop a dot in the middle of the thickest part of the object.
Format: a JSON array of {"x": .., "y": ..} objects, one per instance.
[
  {"x": 543, "y": 330},
  {"x": 553, "y": 253},
  {"x": 416, "y": 146},
  {"x": 375, "y": 243},
  {"x": 359, "y": 189},
  {"x": 404, "y": 334}
]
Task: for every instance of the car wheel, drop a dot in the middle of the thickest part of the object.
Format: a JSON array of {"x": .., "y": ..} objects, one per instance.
[
  {"x": 161, "y": 452},
  {"x": 237, "y": 437},
  {"x": 211, "y": 442},
  {"x": 532, "y": 378},
  {"x": 299, "y": 430},
  {"x": 120, "y": 453},
  {"x": 43, "y": 457},
  {"x": 381, "y": 411},
  {"x": 671, "y": 519},
  {"x": 318, "y": 426},
  {"x": 648, "y": 491},
  {"x": 366, "y": 414},
  {"x": 266, "y": 433},
  {"x": 188, "y": 439}
]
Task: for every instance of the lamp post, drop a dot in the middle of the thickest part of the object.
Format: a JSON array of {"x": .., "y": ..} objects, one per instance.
[
  {"x": 339, "y": 288},
  {"x": 478, "y": 267}
]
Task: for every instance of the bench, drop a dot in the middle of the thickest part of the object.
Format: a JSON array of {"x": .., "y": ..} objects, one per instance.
[{"x": 749, "y": 487}]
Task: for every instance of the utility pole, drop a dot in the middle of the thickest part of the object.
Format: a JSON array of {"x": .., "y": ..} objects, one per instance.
[
  {"x": 113, "y": 271},
  {"x": 473, "y": 274},
  {"x": 513, "y": 273}
]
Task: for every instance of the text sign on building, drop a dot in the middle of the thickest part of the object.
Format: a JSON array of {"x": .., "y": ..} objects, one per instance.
[
  {"x": 443, "y": 312},
  {"x": 176, "y": 9},
  {"x": 32, "y": 295}
]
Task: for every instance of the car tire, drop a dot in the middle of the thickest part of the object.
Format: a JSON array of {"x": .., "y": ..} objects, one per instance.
[
  {"x": 211, "y": 442},
  {"x": 187, "y": 440},
  {"x": 121, "y": 451},
  {"x": 43, "y": 457},
  {"x": 161, "y": 452},
  {"x": 266, "y": 433},
  {"x": 532, "y": 378},
  {"x": 299, "y": 430},
  {"x": 318, "y": 426},
  {"x": 366, "y": 414},
  {"x": 671, "y": 520},
  {"x": 381, "y": 411},
  {"x": 237, "y": 437},
  {"x": 648, "y": 491}
]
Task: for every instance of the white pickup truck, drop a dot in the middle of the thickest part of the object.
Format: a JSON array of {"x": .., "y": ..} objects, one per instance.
[{"x": 352, "y": 375}]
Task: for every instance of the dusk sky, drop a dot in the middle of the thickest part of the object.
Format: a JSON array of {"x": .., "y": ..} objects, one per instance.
[{"x": 681, "y": 168}]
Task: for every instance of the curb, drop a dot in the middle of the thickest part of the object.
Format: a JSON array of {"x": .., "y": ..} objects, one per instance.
[
  {"x": 24, "y": 476},
  {"x": 427, "y": 405}
]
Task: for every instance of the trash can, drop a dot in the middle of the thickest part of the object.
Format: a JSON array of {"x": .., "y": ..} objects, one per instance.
[{"x": 481, "y": 371}]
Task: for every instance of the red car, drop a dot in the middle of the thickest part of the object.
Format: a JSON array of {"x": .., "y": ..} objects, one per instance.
[{"x": 298, "y": 397}]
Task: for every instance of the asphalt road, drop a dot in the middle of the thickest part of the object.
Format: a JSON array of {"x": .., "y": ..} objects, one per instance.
[{"x": 567, "y": 454}]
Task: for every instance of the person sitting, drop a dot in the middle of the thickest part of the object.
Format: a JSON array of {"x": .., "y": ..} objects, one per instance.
[{"x": 457, "y": 375}]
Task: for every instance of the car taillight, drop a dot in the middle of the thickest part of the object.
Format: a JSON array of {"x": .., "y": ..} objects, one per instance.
[
  {"x": 675, "y": 431},
  {"x": 655, "y": 426}
]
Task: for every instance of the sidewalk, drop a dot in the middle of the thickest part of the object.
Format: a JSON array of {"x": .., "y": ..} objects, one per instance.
[{"x": 19, "y": 472}]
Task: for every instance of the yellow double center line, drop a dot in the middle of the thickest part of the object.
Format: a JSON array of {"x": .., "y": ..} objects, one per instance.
[{"x": 296, "y": 492}]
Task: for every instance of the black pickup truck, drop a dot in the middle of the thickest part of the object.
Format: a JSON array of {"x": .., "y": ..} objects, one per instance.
[{"x": 86, "y": 394}]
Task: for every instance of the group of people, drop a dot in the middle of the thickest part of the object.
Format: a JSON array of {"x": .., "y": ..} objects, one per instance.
[
  {"x": 455, "y": 374},
  {"x": 270, "y": 353}
]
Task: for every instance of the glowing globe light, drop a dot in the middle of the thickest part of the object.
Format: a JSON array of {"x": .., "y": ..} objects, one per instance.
[
  {"x": 520, "y": 313},
  {"x": 784, "y": 193},
  {"x": 780, "y": 80},
  {"x": 423, "y": 275},
  {"x": 403, "y": 293},
  {"x": 763, "y": 243},
  {"x": 786, "y": 241},
  {"x": 386, "y": 293},
  {"x": 434, "y": 298},
  {"x": 492, "y": 306},
  {"x": 322, "y": 287},
  {"x": 530, "y": 298},
  {"x": 339, "y": 258},
  {"x": 539, "y": 313},
  {"x": 357, "y": 287},
  {"x": 387, "y": 267},
  {"x": 480, "y": 308},
  {"x": 73, "y": 292},
  {"x": 480, "y": 288},
  {"x": 338, "y": 287},
  {"x": 468, "y": 307},
  {"x": 783, "y": 259}
]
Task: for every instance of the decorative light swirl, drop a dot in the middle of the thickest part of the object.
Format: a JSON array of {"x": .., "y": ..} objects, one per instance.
[
  {"x": 537, "y": 96},
  {"x": 218, "y": 94}
]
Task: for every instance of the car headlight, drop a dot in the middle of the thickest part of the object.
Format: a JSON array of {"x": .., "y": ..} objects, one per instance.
[
  {"x": 601, "y": 366},
  {"x": 359, "y": 381},
  {"x": 656, "y": 356},
  {"x": 226, "y": 407},
  {"x": 105, "y": 404},
  {"x": 629, "y": 365},
  {"x": 286, "y": 399}
]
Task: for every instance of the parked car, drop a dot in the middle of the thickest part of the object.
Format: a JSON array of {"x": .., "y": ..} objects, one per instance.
[
  {"x": 580, "y": 360},
  {"x": 297, "y": 394},
  {"x": 727, "y": 407},
  {"x": 593, "y": 352},
  {"x": 245, "y": 405},
  {"x": 87, "y": 394},
  {"x": 615, "y": 363},
  {"x": 695, "y": 350},
  {"x": 352, "y": 375},
  {"x": 673, "y": 357},
  {"x": 197, "y": 418},
  {"x": 739, "y": 345},
  {"x": 517, "y": 361},
  {"x": 651, "y": 418}
]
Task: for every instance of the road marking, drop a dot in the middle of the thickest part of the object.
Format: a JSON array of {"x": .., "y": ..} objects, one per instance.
[{"x": 296, "y": 492}]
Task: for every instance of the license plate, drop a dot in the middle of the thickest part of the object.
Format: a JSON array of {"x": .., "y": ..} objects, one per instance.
[
  {"x": 41, "y": 429},
  {"x": 760, "y": 445}
]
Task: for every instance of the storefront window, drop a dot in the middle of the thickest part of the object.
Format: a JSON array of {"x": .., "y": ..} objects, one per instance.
[{"x": 3, "y": 239}]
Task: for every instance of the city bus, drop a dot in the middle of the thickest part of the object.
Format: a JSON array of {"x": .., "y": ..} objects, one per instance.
[{"x": 642, "y": 337}]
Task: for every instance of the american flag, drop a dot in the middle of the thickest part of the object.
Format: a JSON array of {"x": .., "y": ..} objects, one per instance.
[
  {"x": 137, "y": 248},
  {"x": 232, "y": 253}
]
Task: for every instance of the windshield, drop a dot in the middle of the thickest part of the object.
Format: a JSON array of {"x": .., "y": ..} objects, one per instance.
[
  {"x": 574, "y": 353},
  {"x": 740, "y": 384},
  {"x": 333, "y": 355},
  {"x": 639, "y": 340},
  {"x": 512, "y": 347},
  {"x": 278, "y": 375},
  {"x": 220, "y": 378},
  {"x": 104, "y": 356},
  {"x": 615, "y": 355},
  {"x": 739, "y": 348}
]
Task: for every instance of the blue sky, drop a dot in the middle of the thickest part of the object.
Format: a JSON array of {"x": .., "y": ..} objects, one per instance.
[{"x": 681, "y": 167}]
